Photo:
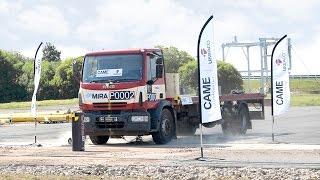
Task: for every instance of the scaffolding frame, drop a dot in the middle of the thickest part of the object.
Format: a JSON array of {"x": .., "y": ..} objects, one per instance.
[{"x": 263, "y": 43}]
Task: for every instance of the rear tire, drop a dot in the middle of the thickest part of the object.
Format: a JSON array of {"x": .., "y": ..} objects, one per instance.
[
  {"x": 166, "y": 130},
  {"x": 238, "y": 127},
  {"x": 244, "y": 121},
  {"x": 98, "y": 140},
  {"x": 227, "y": 128}
]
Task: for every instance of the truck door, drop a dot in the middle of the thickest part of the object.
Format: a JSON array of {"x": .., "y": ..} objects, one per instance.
[{"x": 155, "y": 83}]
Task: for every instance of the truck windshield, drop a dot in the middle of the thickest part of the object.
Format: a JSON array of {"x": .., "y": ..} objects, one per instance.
[{"x": 112, "y": 68}]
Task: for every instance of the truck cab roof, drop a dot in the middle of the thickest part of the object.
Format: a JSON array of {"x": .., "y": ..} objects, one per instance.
[{"x": 121, "y": 51}]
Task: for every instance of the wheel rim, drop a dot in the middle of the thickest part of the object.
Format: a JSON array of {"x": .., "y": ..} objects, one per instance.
[{"x": 166, "y": 127}]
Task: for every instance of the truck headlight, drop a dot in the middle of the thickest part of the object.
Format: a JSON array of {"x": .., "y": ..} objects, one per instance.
[
  {"x": 86, "y": 119},
  {"x": 139, "y": 119}
]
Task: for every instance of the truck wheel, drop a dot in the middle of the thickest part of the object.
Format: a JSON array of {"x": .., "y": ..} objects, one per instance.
[
  {"x": 166, "y": 130},
  {"x": 238, "y": 127},
  {"x": 227, "y": 128},
  {"x": 244, "y": 121},
  {"x": 186, "y": 129},
  {"x": 98, "y": 140}
]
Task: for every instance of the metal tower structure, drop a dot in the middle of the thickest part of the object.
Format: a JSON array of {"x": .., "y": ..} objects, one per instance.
[{"x": 263, "y": 43}]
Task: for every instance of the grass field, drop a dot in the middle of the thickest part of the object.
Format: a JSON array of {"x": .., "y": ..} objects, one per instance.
[
  {"x": 304, "y": 86},
  {"x": 305, "y": 92},
  {"x": 305, "y": 100},
  {"x": 24, "y": 105}
]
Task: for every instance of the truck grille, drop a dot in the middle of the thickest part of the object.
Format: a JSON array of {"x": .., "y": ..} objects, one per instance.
[
  {"x": 110, "y": 105},
  {"x": 110, "y": 124}
]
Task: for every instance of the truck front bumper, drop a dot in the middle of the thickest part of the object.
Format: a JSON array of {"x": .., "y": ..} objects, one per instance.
[{"x": 123, "y": 123}]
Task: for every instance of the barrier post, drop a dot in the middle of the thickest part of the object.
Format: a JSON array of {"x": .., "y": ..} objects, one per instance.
[{"x": 78, "y": 136}]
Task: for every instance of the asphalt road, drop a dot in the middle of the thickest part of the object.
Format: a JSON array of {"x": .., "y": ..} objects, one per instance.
[
  {"x": 297, "y": 145},
  {"x": 301, "y": 125}
]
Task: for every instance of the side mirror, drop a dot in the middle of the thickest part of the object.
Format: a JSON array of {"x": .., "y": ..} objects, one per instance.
[
  {"x": 159, "y": 60},
  {"x": 150, "y": 55},
  {"x": 150, "y": 82},
  {"x": 159, "y": 71}
]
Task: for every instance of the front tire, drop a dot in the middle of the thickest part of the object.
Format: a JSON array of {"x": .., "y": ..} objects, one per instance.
[
  {"x": 98, "y": 140},
  {"x": 166, "y": 130}
]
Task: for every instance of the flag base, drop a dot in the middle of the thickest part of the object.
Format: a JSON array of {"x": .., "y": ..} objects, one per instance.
[
  {"x": 275, "y": 142},
  {"x": 272, "y": 137},
  {"x": 36, "y": 145},
  {"x": 203, "y": 159}
]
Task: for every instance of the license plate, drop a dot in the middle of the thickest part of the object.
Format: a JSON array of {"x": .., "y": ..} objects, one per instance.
[{"x": 108, "y": 119}]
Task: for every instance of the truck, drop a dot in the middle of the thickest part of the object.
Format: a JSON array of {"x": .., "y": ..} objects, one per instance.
[{"x": 128, "y": 93}]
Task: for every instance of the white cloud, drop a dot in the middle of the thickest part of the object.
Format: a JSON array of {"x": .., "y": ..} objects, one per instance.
[
  {"x": 66, "y": 51},
  {"x": 292, "y": 9},
  {"x": 73, "y": 10},
  {"x": 235, "y": 24},
  {"x": 146, "y": 23},
  {"x": 45, "y": 20},
  {"x": 3, "y": 6},
  {"x": 12, "y": 36},
  {"x": 9, "y": 6},
  {"x": 28, "y": 52},
  {"x": 142, "y": 24},
  {"x": 305, "y": 57},
  {"x": 71, "y": 51},
  {"x": 149, "y": 23}
]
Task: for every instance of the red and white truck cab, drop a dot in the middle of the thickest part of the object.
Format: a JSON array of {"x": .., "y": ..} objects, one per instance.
[{"x": 123, "y": 93}]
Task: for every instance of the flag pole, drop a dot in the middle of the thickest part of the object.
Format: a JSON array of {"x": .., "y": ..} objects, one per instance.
[
  {"x": 272, "y": 111},
  {"x": 199, "y": 87},
  {"x": 35, "y": 130},
  {"x": 207, "y": 81},
  {"x": 272, "y": 128},
  {"x": 201, "y": 142},
  {"x": 34, "y": 94}
]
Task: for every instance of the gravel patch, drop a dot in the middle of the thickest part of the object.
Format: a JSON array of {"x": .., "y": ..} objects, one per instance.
[{"x": 163, "y": 172}]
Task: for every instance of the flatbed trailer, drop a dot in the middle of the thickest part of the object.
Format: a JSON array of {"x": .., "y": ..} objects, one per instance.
[{"x": 238, "y": 110}]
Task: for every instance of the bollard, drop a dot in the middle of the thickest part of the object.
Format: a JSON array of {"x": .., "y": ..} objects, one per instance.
[{"x": 78, "y": 136}]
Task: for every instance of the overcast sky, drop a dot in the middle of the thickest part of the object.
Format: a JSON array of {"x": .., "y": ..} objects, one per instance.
[{"x": 77, "y": 27}]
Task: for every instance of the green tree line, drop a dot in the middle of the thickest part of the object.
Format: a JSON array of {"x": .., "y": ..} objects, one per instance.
[
  {"x": 177, "y": 61},
  {"x": 60, "y": 78}
]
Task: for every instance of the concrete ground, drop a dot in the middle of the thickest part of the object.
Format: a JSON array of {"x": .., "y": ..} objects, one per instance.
[{"x": 297, "y": 144}]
